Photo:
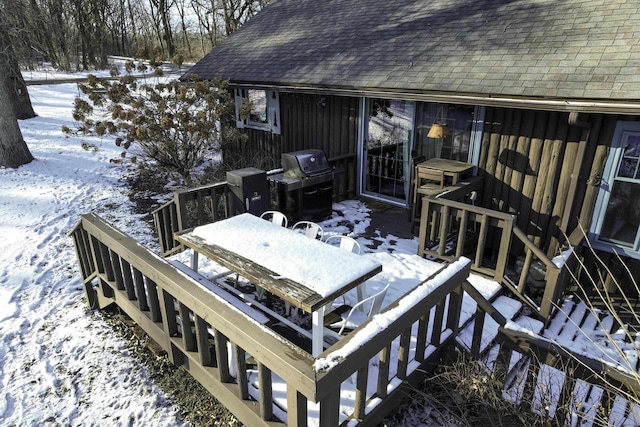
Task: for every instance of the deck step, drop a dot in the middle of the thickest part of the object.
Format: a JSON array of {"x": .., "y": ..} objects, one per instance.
[{"x": 508, "y": 307}]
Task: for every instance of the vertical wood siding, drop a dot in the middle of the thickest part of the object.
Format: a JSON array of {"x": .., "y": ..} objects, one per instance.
[
  {"x": 527, "y": 161},
  {"x": 329, "y": 123}
]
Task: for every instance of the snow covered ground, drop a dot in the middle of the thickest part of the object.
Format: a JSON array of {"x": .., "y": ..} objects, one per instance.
[{"x": 60, "y": 364}]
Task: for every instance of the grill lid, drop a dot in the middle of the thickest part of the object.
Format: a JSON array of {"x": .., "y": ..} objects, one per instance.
[{"x": 305, "y": 163}]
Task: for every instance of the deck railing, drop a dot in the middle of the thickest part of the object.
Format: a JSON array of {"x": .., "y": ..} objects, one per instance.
[
  {"x": 450, "y": 229},
  {"x": 521, "y": 357},
  {"x": 208, "y": 203},
  {"x": 189, "y": 208},
  {"x": 239, "y": 359}
]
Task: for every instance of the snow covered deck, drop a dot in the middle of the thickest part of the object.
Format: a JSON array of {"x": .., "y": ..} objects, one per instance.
[
  {"x": 241, "y": 359},
  {"x": 265, "y": 378}
]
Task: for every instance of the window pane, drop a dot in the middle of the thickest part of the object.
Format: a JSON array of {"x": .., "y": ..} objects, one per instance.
[
  {"x": 454, "y": 140},
  {"x": 258, "y": 99},
  {"x": 389, "y": 136},
  {"x": 622, "y": 216},
  {"x": 630, "y": 157}
]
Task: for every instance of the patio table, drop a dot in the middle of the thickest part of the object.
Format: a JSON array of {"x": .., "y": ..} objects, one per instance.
[{"x": 305, "y": 272}]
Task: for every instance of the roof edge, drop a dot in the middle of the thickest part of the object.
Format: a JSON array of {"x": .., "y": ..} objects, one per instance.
[{"x": 612, "y": 106}]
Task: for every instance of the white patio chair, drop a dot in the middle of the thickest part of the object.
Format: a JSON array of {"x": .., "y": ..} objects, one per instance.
[
  {"x": 309, "y": 229},
  {"x": 275, "y": 217},
  {"x": 348, "y": 317},
  {"x": 344, "y": 242}
]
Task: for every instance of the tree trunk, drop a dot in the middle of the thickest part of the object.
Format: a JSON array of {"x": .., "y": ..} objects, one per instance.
[
  {"x": 16, "y": 94},
  {"x": 13, "y": 150}
]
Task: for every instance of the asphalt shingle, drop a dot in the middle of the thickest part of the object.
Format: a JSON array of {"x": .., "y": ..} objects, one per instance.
[{"x": 533, "y": 48}]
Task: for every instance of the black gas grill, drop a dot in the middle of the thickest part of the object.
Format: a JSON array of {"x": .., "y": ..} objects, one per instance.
[{"x": 305, "y": 185}]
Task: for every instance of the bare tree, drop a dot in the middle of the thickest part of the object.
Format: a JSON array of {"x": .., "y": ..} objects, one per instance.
[
  {"x": 161, "y": 14},
  {"x": 237, "y": 12},
  {"x": 11, "y": 77}
]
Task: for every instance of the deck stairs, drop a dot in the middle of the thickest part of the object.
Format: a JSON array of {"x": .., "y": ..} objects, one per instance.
[{"x": 539, "y": 378}]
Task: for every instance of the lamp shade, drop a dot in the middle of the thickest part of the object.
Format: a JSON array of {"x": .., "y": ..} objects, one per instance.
[{"x": 438, "y": 131}]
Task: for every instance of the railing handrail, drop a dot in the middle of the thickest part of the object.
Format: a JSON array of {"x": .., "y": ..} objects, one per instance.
[
  {"x": 346, "y": 367},
  {"x": 533, "y": 248},
  {"x": 167, "y": 277},
  {"x": 471, "y": 208},
  {"x": 195, "y": 325},
  {"x": 198, "y": 189},
  {"x": 557, "y": 275},
  {"x": 162, "y": 207},
  {"x": 527, "y": 343}
]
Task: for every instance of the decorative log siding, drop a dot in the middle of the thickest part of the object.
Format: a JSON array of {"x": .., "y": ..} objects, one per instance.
[{"x": 543, "y": 169}]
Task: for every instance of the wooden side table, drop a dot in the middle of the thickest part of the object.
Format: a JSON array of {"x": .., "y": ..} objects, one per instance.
[{"x": 438, "y": 174}]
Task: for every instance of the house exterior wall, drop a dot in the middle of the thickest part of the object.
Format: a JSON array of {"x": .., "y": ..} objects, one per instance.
[
  {"x": 329, "y": 123},
  {"x": 538, "y": 166},
  {"x": 619, "y": 276}
]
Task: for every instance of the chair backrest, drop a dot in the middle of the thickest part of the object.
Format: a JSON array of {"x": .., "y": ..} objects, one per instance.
[
  {"x": 376, "y": 303},
  {"x": 275, "y": 217},
  {"x": 309, "y": 229},
  {"x": 432, "y": 175},
  {"x": 344, "y": 242}
]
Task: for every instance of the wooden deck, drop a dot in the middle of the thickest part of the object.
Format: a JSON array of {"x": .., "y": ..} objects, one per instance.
[
  {"x": 213, "y": 340},
  {"x": 246, "y": 364}
]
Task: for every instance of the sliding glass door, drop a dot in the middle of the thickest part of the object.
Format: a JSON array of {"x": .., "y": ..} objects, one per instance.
[{"x": 387, "y": 146}]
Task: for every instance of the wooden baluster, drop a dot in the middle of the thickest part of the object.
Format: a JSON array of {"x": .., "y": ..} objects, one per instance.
[
  {"x": 117, "y": 270},
  {"x": 296, "y": 408},
  {"x": 167, "y": 304},
  {"x": 444, "y": 226},
  {"x": 421, "y": 339},
  {"x": 96, "y": 249},
  {"x": 462, "y": 233},
  {"x": 154, "y": 300},
  {"x": 106, "y": 261},
  {"x": 383, "y": 371},
  {"x": 188, "y": 335},
  {"x": 222, "y": 356},
  {"x": 128, "y": 280},
  {"x": 482, "y": 240},
  {"x": 361, "y": 391},
  {"x": 478, "y": 326},
  {"x": 204, "y": 348},
  {"x": 141, "y": 294},
  {"x": 266, "y": 393},
  {"x": 525, "y": 271},
  {"x": 454, "y": 308},
  {"x": 241, "y": 370},
  {"x": 403, "y": 354},
  {"x": 436, "y": 332},
  {"x": 505, "y": 244}
]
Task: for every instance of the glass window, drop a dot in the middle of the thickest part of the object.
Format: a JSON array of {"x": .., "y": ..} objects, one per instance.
[
  {"x": 258, "y": 102},
  {"x": 617, "y": 215},
  {"x": 258, "y": 109},
  {"x": 388, "y": 141},
  {"x": 444, "y": 131}
]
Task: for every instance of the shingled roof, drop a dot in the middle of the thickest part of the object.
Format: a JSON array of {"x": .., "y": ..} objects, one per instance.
[{"x": 558, "y": 49}]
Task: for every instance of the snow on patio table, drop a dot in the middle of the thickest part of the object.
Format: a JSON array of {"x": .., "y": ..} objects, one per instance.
[{"x": 312, "y": 263}]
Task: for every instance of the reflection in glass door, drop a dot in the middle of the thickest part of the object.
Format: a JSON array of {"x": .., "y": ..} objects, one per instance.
[{"x": 387, "y": 145}]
